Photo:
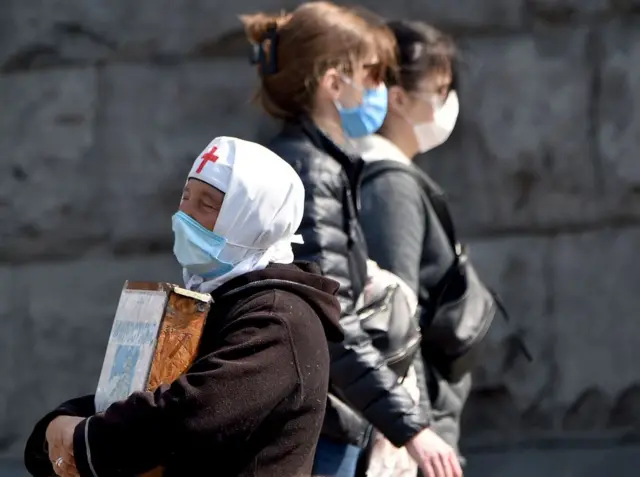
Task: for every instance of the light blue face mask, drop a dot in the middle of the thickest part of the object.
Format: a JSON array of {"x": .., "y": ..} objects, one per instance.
[
  {"x": 367, "y": 117},
  {"x": 197, "y": 248}
]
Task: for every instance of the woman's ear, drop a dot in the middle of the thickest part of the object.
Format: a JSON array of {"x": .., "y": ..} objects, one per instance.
[
  {"x": 397, "y": 98},
  {"x": 330, "y": 83}
]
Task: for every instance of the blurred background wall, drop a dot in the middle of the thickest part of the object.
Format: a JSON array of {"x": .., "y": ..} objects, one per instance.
[{"x": 104, "y": 105}]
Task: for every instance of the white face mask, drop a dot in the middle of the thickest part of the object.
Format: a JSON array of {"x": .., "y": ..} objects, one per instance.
[{"x": 434, "y": 133}]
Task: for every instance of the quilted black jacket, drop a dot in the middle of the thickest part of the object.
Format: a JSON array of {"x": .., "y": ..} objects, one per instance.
[{"x": 361, "y": 384}]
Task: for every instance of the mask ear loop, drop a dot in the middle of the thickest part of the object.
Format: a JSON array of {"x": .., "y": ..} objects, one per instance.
[
  {"x": 405, "y": 117},
  {"x": 346, "y": 80}
]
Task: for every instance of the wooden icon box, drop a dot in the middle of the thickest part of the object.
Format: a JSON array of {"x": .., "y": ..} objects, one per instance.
[{"x": 154, "y": 339}]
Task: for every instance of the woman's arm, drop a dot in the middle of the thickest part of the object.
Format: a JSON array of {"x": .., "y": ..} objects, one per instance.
[
  {"x": 394, "y": 224},
  {"x": 214, "y": 408},
  {"x": 357, "y": 367},
  {"x": 36, "y": 457},
  {"x": 393, "y": 219}
]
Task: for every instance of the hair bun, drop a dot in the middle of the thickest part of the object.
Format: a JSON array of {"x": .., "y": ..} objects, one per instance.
[{"x": 257, "y": 25}]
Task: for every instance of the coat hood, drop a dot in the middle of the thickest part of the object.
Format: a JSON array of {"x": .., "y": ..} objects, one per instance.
[{"x": 301, "y": 278}]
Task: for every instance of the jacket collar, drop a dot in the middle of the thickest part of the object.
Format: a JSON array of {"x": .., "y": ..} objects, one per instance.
[
  {"x": 378, "y": 148},
  {"x": 303, "y": 125},
  {"x": 352, "y": 164}
]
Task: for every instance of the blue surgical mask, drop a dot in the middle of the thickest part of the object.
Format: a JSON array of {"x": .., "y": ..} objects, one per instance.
[
  {"x": 197, "y": 248},
  {"x": 366, "y": 118}
]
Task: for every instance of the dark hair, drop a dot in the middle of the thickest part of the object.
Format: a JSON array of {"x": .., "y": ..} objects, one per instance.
[
  {"x": 296, "y": 49},
  {"x": 422, "y": 50}
]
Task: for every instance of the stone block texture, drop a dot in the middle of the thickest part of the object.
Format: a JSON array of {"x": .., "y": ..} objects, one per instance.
[
  {"x": 103, "y": 106},
  {"x": 56, "y": 319}
]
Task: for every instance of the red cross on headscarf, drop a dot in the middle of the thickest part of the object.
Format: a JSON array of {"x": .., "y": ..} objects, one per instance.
[{"x": 209, "y": 156}]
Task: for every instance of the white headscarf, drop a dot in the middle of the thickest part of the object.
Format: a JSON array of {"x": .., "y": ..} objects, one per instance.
[{"x": 261, "y": 211}]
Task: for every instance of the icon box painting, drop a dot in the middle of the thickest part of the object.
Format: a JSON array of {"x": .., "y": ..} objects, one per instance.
[{"x": 154, "y": 339}]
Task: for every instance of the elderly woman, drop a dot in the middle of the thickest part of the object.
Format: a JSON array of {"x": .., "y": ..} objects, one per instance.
[{"x": 254, "y": 400}]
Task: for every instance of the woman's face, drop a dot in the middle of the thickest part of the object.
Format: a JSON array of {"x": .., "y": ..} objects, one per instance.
[
  {"x": 201, "y": 202},
  {"x": 352, "y": 88},
  {"x": 431, "y": 93}
]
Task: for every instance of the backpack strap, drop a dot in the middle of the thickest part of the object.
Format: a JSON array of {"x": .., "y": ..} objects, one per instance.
[
  {"x": 437, "y": 198},
  {"x": 433, "y": 194}
]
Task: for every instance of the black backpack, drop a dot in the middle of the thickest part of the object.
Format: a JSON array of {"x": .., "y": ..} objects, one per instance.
[{"x": 453, "y": 334}]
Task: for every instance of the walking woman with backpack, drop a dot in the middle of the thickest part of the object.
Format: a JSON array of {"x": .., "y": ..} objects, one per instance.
[
  {"x": 404, "y": 233},
  {"x": 322, "y": 70}
]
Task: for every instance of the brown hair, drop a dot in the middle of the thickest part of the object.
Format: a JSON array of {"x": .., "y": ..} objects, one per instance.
[
  {"x": 422, "y": 51},
  {"x": 313, "y": 38}
]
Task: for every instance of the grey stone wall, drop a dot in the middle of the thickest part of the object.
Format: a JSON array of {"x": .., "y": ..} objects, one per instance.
[{"x": 103, "y": 106}]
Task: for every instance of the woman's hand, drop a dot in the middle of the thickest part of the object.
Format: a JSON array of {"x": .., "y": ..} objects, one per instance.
[
  {"x": 435, "y": 457},
  {"x": 59, "y": 437}
]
